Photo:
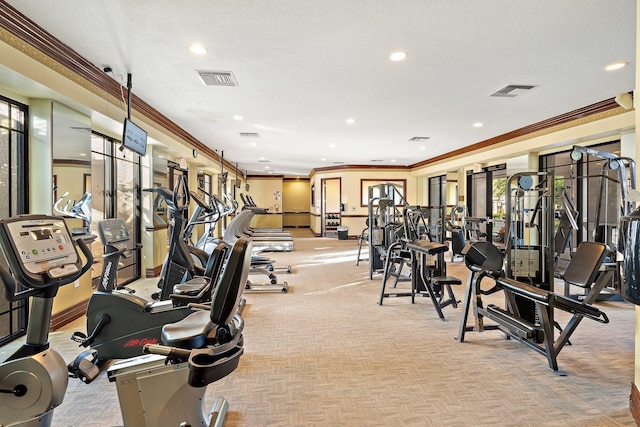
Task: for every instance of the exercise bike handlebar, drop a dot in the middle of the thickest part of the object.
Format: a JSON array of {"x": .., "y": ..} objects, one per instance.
[
  {"x": 123, "y": 251},
  {"x": 174, "y": 353},
  {"x": 170, "y": 352}
]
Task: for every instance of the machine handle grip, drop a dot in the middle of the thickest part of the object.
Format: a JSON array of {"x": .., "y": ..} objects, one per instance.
[
  {"x": 9, "y": 283},
  {"x": 7, "y": 279},
  {"x": 84, "y": 248},
  {"x": 171, "y": 352}
]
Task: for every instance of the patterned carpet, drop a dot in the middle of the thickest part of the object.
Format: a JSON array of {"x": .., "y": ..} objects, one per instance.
[{"x": 326, "y": 354}]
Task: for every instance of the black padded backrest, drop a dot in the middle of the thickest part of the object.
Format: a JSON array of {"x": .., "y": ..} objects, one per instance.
[
  {"x": 227, "y": 295},
  {"x": 216, "y": 261},
  {"x": 585, "y": 263},
  {"x": 483, "y": 256}
]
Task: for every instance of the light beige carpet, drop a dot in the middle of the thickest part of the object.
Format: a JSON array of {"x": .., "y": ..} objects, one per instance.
[{"x": 326, "y": 354}]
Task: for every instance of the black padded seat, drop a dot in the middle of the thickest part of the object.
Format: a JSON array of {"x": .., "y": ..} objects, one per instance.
[
  {"x": 257, "y": 261},
  {"x": 193, "y": 286},
  {"x": 211, "y": 275},
  {"x": 446, "y": 280},
  {"x": 190, "y": 332}
]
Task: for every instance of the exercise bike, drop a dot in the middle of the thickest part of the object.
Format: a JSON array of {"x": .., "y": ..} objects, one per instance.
[
  {"x": 167, "y": 387},
  {"x": 120, "y": 323},
  {"x": 41, "y": 257}
]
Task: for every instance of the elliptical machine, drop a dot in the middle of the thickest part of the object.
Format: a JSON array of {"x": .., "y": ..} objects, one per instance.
[
  {"x": 178, "y": 266},
  {"x": 42, "y": 257},
  {"x": 120, "y": 324},
  {"x": 80, "y": 209}
]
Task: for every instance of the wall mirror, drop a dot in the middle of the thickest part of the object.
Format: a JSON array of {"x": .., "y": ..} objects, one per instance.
[
  {"x": 71, "y": 146},
  {"x": 399, "y": 185}
]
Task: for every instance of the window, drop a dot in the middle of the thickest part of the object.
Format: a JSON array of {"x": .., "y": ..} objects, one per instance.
[{"x": 13, "y": 187}]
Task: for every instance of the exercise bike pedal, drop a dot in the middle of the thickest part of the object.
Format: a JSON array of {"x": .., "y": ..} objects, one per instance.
[
  {"x": 79, "y": 337},
  {"x": 85, "y": 367},
  {"x": 126, "y": 289}
]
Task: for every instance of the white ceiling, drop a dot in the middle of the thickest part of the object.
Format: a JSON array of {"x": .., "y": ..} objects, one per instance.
[{"x": 305, "y": 66}]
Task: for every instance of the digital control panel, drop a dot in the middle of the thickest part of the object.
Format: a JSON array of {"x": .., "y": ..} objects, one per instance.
[
  {"x": 113, "y": 231},
  {"x": 43, "y": 245}
]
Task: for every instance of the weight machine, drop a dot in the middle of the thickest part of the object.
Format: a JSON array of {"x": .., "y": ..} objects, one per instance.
[
  {"x": 484, "y": 260},
  {"x": 620, "y": 171},
  {"x": 384, "y": 220},
  {"x": 529, "y": 234}
]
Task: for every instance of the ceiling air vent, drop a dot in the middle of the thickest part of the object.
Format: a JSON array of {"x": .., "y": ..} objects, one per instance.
[
  {"x": 264, "y": 161},
  {"x": 511, "y": 91},
  {"x": 377, "y": 160},
  {"x": 249, "y": 134},
  {"x": 419, "y": 138},
  {"x": 217, "y": 78}
]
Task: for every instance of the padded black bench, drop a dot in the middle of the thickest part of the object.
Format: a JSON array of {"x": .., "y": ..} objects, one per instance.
[{"x": 583, "y": 270}]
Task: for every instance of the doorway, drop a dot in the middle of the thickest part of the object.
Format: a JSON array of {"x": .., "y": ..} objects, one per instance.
[{"x": 331, "y": 197}]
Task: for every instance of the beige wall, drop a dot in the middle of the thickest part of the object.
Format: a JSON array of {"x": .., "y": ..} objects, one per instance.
[
  {"x": 74, "y": 293},
  {"x": 267, "y": 192},
  {"x": 296, "y": 196}
]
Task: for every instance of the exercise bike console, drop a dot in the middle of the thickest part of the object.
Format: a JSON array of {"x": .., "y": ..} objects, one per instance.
[{"x": 39, "y": 250}]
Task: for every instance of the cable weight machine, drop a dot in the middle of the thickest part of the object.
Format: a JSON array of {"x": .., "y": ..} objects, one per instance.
[
  {"x": 529, "y": 223},
  {"x": 384, "y": 220},
  {"x": 612, "y": 205}
]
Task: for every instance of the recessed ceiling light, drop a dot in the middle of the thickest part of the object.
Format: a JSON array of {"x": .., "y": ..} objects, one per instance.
[
  {"x": 615, "y": 66},
  {"x": 238, "y": 117},
  {"x": 266, "y": 167},
  {"x": 253, "y": 144},
  {"x": 197, "y": 49},
  {"x": 393, "y": 160},
  {"x": 83, "y": 154},
  {"x": 423, "y": 148},
  {"x": 351, "y": 121},
  {"x": 398, "y": 56},
  {"x": 478, "y": 125},
  {"x": 332, "y": 145},
  {"x": 323, "y": 159}
]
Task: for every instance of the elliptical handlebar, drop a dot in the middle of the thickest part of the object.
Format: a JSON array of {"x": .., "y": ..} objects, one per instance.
[
  {"x": 181, "y": 193},
  {"x": 80, "y": 209}
]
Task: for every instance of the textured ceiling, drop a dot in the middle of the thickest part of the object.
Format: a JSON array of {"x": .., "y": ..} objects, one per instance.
[{"x": 303, "y": 67}]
